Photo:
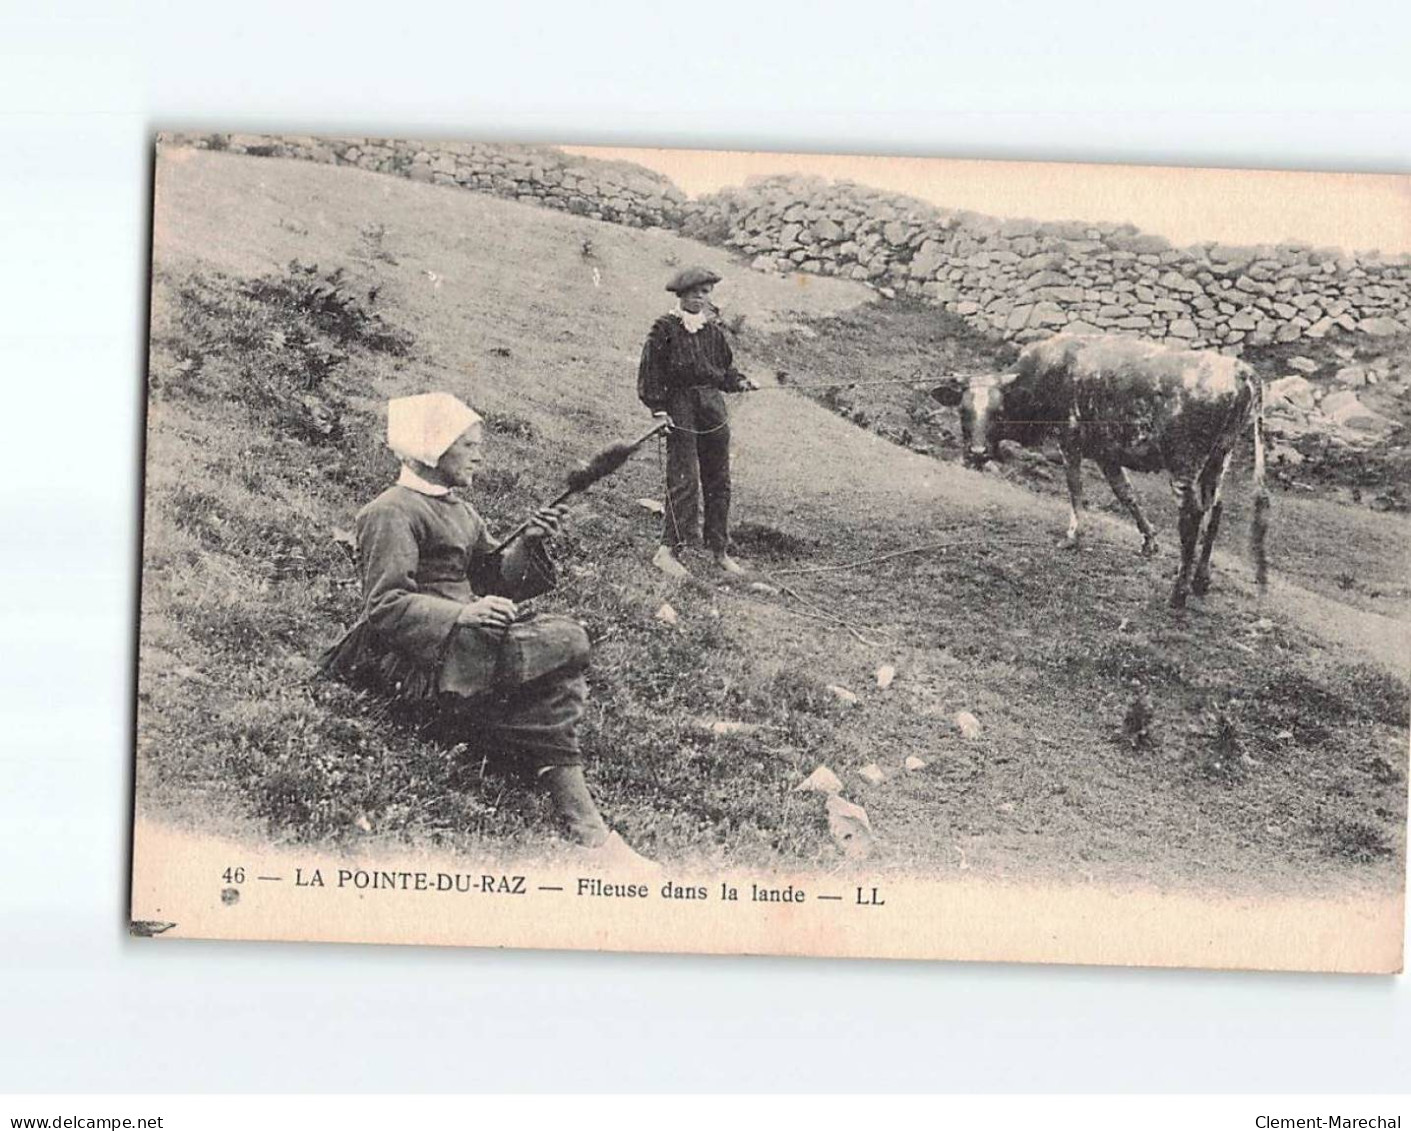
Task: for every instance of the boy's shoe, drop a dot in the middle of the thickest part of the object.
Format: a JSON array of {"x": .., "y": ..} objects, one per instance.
[
  {"x": 666, "y": 560},
  {"x": 727, "y": 564}
]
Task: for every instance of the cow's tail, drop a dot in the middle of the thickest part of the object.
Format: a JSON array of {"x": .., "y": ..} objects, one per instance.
[{"x": 1260, "y": 526}]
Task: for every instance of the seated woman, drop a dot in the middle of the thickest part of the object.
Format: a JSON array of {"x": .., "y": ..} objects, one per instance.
[{"x": 440, "y": 624}]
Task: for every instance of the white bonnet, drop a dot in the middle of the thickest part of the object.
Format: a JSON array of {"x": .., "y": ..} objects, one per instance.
[{"x": 424, "y": 426}]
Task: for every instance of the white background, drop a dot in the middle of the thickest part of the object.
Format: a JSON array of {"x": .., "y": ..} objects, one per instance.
[{"x": 1301, "y": 84}]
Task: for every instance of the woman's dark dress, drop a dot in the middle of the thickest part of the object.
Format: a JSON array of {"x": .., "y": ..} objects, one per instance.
[{"x": 423, "y": 558}]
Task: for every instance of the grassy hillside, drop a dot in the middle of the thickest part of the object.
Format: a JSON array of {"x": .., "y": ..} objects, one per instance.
[{"x": 1276, "y": 747}]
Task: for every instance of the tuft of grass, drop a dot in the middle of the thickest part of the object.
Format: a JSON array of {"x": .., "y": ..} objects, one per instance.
[
  {"x": 1351, "y": 838},
  {"x": 508, "y": 424},
  {"x": 1225, "y": 758},
  {"x": 1139, "y": 723},
  {"x": 373, "y": 244},
  {"x": 276, "y": 345},
  {"x": 765, "y": 543}
]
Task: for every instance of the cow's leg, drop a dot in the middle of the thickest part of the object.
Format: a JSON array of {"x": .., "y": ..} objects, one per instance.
[
  {"x": 1191, "y": 514},
  {"x": 1200, "y": 583},
  {"x": 1122, "y": 487},
  {"x": 1073, "y": 467}
]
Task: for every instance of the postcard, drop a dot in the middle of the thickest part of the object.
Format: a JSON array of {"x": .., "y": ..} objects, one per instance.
[{"x": 766, "y": 553}]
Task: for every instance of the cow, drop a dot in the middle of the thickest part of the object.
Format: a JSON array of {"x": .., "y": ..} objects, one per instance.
[{"x": 1127, "y": 403}]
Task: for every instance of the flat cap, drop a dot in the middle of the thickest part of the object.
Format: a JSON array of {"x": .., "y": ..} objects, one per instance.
[{"x": 690, "y": 277}]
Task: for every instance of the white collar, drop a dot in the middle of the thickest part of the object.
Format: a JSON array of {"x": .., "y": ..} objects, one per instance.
[
  {"x": 692, "y": 322},
  {"x": 410, "y": 478}
]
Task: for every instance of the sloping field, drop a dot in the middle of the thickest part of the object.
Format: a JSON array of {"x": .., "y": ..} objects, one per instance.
[{"x": 1276, "y": 750}]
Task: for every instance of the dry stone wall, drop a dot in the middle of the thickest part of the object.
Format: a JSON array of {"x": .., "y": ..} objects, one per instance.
[
  {"x": 1025, "y": 279},
  {"x": 1020, "y": 279},
  {"x": 601, "y": 190}
]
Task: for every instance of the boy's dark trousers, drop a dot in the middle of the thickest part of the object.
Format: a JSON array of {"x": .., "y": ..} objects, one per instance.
[{"x": 697, "y": 468}]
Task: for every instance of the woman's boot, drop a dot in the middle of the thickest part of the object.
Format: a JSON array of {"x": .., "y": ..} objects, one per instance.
[{"x": 574, "y": 804}]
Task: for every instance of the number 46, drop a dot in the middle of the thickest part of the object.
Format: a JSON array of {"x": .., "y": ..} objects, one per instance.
[{"x": 233, "y": 875}]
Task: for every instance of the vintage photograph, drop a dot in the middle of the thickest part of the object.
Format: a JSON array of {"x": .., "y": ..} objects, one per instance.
[{"x": 773, "y": 553}]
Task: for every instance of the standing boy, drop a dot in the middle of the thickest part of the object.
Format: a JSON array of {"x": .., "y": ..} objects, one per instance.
[{"x": 686, "y": 367}]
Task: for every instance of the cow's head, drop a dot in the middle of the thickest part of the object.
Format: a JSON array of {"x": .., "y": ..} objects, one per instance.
[{"x": 981, "y": 404}]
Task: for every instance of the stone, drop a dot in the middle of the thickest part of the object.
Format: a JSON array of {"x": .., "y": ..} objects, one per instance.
[
  {"x": 842, "y": 694},
  {"x": 722, "y": 727},
  {"x": 1227, "y": 253},
  {"x": 1018, "y": 318},
  {"x": 895, "y": 233},
  {"x": 1184, "y": 328},
  {"x": 1060, "y": 294},
  {"x": 1047, "y": 314},
  {"x": 872, "y": 774},
  {"x": 1148, "y": 243},
  {"x": 913, "y": 763},
  {"x": 928, "y": 260},
  {"x": 850, "y": 828},
  {"x": 1293, "y": 389},
  {"x": 1351, "y": 375},
  {"x": 1381, "y": 327},
  {"x": 1345, "y": 409},
  {"x": 967, "y": 724},
  {"x": 1289, "y": 424},
  {"x": 1175, "y": 281},
  {"x": 885, "y": 675},
  {"x": 666, "y": 614},
  {"x": 822, "y": 780},
  {"x": 1303, "y": 364},
  {"x": 653, "y": 505}
]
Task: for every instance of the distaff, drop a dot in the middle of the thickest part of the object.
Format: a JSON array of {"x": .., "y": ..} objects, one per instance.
[{"x": 599, "y": 467}]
